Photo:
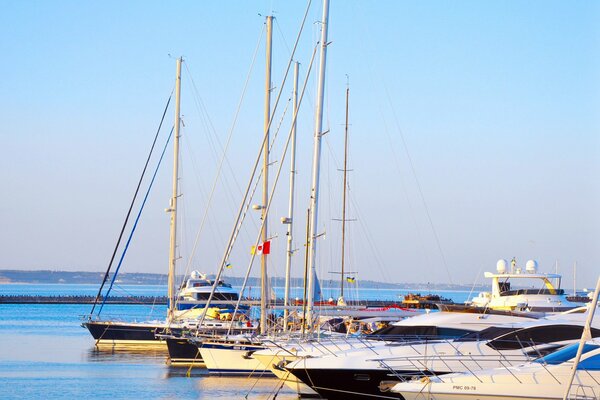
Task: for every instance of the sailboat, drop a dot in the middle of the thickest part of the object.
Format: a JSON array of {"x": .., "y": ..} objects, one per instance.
[
  {"x": 225, "y": 355},
  {"x": 184, "y": 305}
]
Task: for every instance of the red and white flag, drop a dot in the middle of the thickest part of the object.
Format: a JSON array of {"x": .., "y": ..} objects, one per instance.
[{"x": 263, "y": 248}]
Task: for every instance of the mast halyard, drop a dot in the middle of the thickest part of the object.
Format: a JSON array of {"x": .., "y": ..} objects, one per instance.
[
  {"x": 341, "y": 300},
  {"x": 265, "y": 197},
  {"x": 290, "y": 219},
  {"x": 173, "y": 203},
  {"x": 314, "y": 194}
]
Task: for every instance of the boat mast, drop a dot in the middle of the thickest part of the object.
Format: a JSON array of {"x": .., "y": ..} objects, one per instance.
[
  {"x": 265, "y": 198},
  {"x": 341, "y": 299},
  {"x": 290, "y": 219},
  {"x": 575, "y": 278},
  {"x": 173, "y": 204},
  {"x": 314, "y": 195},
  {"x": 585, "y": 336}
]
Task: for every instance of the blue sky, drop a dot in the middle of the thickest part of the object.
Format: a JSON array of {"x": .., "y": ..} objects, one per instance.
[{"x": 493, "y": 105}]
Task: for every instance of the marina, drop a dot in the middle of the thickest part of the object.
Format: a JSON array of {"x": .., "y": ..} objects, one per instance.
[{"x": 302, "y": 199}]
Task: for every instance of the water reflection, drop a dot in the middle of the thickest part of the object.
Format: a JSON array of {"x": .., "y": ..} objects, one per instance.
[
  {"x": 253, "y": 387},
  {"x": 127, "y": 355},
  {"x": 185, "y": 372}
]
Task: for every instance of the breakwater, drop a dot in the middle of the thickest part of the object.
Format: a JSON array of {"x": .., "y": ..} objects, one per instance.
[
  {"x": 76, "y": 299},
  {"x": 162, "y": 300}
]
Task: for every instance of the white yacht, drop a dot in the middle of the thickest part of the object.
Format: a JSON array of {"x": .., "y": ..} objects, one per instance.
[
  {"x": 196, "y": 291},
  {"x": 355, "y": 374},
  {"x": 543, "y": 379},
  {"x": 434, "y": 325},
  {"x": 190, "y": 305},
  {"x": 526, "y": 290}
]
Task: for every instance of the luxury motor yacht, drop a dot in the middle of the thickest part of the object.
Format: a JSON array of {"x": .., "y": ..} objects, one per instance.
[
  {"x": 435, "y": 325},
  {"x": 543, "y": 379},
  {"x": 358, "y": 373},
  {"x": 525, "y": 290}
]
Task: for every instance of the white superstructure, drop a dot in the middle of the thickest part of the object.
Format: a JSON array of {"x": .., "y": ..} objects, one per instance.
[{"x": 526, "y": 290}]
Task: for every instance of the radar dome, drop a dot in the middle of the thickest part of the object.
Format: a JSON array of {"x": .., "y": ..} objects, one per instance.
[
  {"x": 195, "y": 275},
  {"x": 501, "y": 266},
  {"x": 531, "y": 266}
]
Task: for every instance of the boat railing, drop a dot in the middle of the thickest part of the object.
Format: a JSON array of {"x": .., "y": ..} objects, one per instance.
[
  {"x": 583, "y": 392},
  {"x": 114, "y": 318},
  {"x": 325, "y": 345},
  {"x": 338, "y": 344},
  {"x": 421, "y": 365}
]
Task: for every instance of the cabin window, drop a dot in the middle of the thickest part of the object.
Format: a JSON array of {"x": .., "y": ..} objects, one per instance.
[
  {"x": 486, "y": 334},
  {"x": 217, "y": 296},
  {"x": 538, "y": 335},
  {"x": 545, "y": 292},
  {"x": 417, "y": 332}
]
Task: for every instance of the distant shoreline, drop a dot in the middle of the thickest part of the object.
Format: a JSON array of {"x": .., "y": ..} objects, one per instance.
[{"x": 8, "y": 276}]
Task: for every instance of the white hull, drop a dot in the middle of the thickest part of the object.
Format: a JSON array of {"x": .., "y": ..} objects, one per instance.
[
  {"x": 484, "y": 391},
  {"x": 232, "y": 359},
  {"x": 537, "y": 380},
  {"x": 274, "y": 363}
]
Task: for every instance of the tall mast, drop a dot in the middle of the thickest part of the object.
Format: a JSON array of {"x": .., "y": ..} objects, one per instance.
[
  {"x": 173, "y": 204},
  {"x": 585, "y": 336},
  {"x": 290, "y": 219},
  {"x": 265, "y": 198},
  {"x": 575, "y": 278},
  {"x": 314, "y": 194},
  {"x": 344, "y": 197}
]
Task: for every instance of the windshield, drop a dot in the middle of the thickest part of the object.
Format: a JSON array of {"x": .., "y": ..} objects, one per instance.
[
  {"x": 565, "y": 354},
  {"x": 487, "y": 334}
]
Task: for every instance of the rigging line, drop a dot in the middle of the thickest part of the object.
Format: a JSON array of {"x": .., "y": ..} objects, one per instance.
[
  {"x": 226, "y": 160},
  {"x": 137, "y": 189},
  {"x": 279, "y": 125},
  {"x": 262, "y": 145},
  {"x": 249, "y": 202},
  {"x": 238, "y": 227},
  {"x": 272, "y": 190},
  {"x": 128, "y": 293},
  {"x": 364, "y": 49},
  {"x": 368, "y": 236},
  {"x": 210, "y": 127},
  {"x": 217, "y": 235},
  {"x": 220, "y": 167},
  {"x": 181, "y": 247},
  {"x": 363, "y": 225},
  {"x": 404, "y": 186},
  {"x": 136, "y": 222},
  {"x": 282, "y": 36},
  {"x": 412, "y": 168}
]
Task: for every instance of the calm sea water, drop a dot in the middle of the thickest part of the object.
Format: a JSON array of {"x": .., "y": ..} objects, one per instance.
[{"x": 45, "y": 353}]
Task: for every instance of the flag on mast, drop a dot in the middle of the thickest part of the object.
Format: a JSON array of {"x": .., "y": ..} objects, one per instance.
[{"x": 263, "y": 248}]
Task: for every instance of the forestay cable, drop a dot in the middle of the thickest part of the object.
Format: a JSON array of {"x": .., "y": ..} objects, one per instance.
[
  {"x": 130, "y": 207},
  {"x": 112, "y": 282}
]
